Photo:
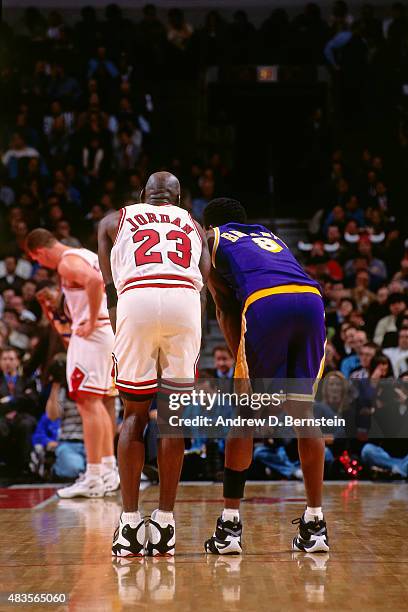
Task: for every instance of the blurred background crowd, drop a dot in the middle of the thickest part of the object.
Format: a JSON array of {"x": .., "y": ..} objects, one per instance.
[{"x": 301, "y": 116}]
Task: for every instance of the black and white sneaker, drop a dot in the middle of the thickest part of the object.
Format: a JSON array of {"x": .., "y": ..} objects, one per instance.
[
  {"x": 129, "y": 541},
  {"x": 161, "y": 537},
  {"x": 312, "y": 536},
  {"x": 226, "y": 539}
]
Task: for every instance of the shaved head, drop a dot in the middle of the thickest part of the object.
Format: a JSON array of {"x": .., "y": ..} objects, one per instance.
[{"x": 162, "y": 187}]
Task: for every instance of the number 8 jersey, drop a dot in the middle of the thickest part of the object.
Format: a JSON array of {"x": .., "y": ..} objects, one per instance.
[
  {"x": 251, "y": 257},
  {"x": 156, "y": 246}
]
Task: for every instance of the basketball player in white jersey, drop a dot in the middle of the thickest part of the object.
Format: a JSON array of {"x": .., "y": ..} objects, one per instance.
[
  {"x": 154, "y": 260},
  {"x": 89, "y": 362}
]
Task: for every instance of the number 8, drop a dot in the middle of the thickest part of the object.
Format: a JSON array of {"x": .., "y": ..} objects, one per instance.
[{"x": 268, "y": 244}]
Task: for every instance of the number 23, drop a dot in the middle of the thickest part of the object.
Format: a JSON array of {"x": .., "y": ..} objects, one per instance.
[{"x": 149, "y": 238}]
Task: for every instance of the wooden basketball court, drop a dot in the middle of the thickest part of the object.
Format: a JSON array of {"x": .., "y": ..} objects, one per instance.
[{"x": 63, "y": 547}]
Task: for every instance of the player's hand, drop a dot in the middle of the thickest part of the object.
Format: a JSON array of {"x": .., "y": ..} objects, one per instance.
[{"x": 85, "y": 329}]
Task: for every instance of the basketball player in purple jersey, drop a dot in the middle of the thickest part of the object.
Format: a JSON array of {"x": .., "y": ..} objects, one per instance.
[{"x": 272, "y": 316}]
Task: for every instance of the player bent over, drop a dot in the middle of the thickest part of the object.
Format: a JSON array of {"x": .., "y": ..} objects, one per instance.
[
  {"x": 272, "y": 316},
  {"x": 154, "y": 259},
  {"x": 88, "y": 357}
]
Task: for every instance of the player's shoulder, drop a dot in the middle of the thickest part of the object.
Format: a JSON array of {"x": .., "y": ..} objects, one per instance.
[{"x": 109, "y": 223}]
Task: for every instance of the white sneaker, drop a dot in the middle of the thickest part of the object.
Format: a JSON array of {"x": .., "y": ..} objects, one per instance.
[
  {"x": 161, "y": 537},
  {"x": 88, "y": 486},
  {"x": 129, "y": 541},
  {"x": 111, "y": 480}
]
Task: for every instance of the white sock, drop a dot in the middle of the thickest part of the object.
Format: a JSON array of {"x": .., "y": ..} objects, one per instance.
[
  {"x": 93, "y": 470},
  {"x": 312, "y": 513},
  {"x": 229, "y": 514},
  {"x": 160, "y": 516},
  {"x": 109, "y": 463},
  {"x": 131, "y": 518}
]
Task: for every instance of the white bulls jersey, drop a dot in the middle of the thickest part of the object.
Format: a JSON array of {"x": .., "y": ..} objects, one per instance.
[
  {"x": 156, "y": 246},
  {"x": 76, "y": 297}
]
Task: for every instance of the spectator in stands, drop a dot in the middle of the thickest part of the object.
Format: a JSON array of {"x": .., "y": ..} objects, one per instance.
[
  {"x": 379, "y": 460},
  {"x": 366, "y": 354},
  {"x": 353, "y": 361},
  {"x": 17, "y": 152},
  {"x": 28, "y": 292},
  {"x": 353, "y": 210},
  {"x": 332, "y": 358},
  {"x": 101, "y": 68},
  {"x": 179, "y": 31},
  {"x": 11, "y": 279},
  {"x": 342, "y": 313},
  {"x": 361, "y": 293},
  {"x": 396, "y": 27},
  {"x": 127, "y": 151},
  {"x": 70, "y": 459},
  {"x": 399, "y": 355},
  {"x": 396, "y": 305},
  {"x": 18, "y": 409},
  {"x": 63, "y": 234},
  {"x": 207, "y": 188},
  {"x": 7, "y": 195},
  {"x": 333, "y": 401},
  {"x": 402, "y": 274},
  {"x": 223, "y": 362},
  {"x": 273, "y": 456},
  {"x": 16, "y": 335},
  {"x": 377, "y": 309},
  {"x": 310, "y": 33},
  {"x": 336, "y": 217},
  {"x": 370, "y": 26},
  {"x": 24, "y": 315}
]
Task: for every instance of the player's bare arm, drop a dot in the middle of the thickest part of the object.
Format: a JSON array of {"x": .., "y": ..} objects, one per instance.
[
  {"x": 74, "y": 270},
  {"x": 106, "y": 237},
  {"x": 227, "y": 308}
]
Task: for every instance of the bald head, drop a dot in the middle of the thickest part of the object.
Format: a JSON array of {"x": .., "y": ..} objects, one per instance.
[{"x": 162, "y": 187}]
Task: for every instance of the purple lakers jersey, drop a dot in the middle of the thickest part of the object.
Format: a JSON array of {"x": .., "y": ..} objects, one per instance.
[{"x": 251, "y": 257}]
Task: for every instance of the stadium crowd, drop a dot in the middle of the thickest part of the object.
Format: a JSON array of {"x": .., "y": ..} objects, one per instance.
[{"x": 77, "y": 142}]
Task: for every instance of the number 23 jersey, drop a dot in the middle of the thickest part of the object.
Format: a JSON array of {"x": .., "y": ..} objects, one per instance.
[
  {"x": 251, "y": 257},
  {"x": 156, "y": 246}
]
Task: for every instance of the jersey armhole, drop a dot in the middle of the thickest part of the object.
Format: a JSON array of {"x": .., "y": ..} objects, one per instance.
[
  {"x": 215, "y": 245},
  {"x": 120, "y": 224},
  {"x": 195, "y": 227}
]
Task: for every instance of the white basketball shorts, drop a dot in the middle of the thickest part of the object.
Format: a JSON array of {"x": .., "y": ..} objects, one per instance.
[
  {"x": 89, "y": 363},
  {"x": 158, "y": 336}
]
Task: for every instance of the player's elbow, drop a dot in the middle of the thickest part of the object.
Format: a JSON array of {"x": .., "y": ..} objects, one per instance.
[{"x": 95, "y": 283}]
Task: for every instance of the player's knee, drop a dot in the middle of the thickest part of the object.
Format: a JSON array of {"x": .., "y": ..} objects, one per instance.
[
  {"x": 88, "y": 405},
  {"x": 134, "y": 425}
]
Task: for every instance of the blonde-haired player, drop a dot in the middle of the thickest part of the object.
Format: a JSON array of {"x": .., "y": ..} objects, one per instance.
[{"x": 89, "y": 362}]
